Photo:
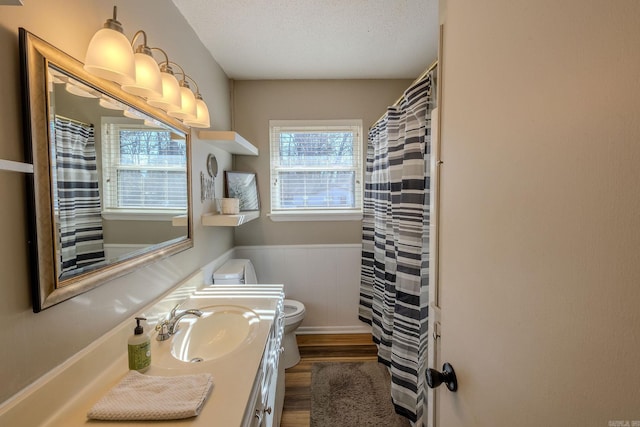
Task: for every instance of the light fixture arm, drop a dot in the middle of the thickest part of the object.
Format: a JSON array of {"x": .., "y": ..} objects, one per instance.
[
  {"x": 198, "y": 96},
  {"x": 143, "y": 48},
  {"x": 164, "y": 65},
  {"x": 183, "y": 82},
  {"x": 166, "y": 57}
]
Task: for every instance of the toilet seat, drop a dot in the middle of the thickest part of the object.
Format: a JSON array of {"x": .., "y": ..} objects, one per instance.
[{"x": 293, "y": 311}]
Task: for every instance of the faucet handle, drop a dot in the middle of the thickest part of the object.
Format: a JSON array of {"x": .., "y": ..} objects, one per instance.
[
  {"x": 173, "y": 311},
  {"x": 163, "y": 330}
]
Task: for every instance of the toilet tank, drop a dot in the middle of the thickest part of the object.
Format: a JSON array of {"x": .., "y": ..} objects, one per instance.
[{"x": 234, "y": 272}]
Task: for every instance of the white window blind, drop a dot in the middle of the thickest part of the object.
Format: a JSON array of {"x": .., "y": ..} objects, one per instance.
[
  {"x": 316, "y": 166},
  {"x": 143, "y": 169}
]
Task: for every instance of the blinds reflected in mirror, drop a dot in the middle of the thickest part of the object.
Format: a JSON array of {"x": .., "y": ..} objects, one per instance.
[{"x": 143, "y": 168}]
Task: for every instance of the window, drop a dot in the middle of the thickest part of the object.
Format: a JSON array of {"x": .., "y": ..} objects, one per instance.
[
  {"x": 144, "y": 172},
  {"x": 316, "y": 170}
]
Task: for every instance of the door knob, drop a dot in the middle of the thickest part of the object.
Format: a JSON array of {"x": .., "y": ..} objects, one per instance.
[{"x": 447, "y": 376}]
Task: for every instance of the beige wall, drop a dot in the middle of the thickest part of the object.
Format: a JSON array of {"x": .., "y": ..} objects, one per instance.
[
  {"x": 32, "y": 344},
  {"x": 540, "y": 235},
  {"x": 257, "y": 102}
]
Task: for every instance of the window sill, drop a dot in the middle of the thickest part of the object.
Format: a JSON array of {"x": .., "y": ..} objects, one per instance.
[
  {"x": 315, "y": 216},
  {"x": 141, "y": 215}
]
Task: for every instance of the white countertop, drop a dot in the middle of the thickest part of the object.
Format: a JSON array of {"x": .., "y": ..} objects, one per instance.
[{"x": 233, "y": 373}]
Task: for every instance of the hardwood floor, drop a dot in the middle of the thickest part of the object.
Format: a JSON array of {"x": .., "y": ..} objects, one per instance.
[{"x": 319, "y": 348}]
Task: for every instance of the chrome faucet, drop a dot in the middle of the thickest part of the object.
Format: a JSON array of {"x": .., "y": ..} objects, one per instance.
[{"x": 169, "y": 326}]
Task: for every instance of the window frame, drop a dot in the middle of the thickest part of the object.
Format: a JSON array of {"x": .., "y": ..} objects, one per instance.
[
  {"x": 110, "y": 192},
  {"x": 319, "y": 213}
]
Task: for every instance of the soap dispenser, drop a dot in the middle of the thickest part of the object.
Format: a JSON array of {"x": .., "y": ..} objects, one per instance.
[{"x": 139, "y": 348}]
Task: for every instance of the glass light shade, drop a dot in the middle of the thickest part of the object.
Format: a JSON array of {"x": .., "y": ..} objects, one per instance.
[
  {"x": 80, "y": 90},
  {"x": 148, "y": 80},
  {"x": 202, "y": 117},
  {"x": 110, "y": 56},
  {"x": 170, "y": 98},
  {"x": 189, "y": 109},
  {"x": 111, "y": 105},
  {"x": 132, "y": 115}
]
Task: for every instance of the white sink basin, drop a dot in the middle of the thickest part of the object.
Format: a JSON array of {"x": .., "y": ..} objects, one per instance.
[{"x": 219, "y": 331}]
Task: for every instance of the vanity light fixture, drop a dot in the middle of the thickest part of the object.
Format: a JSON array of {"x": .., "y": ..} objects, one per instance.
[
  {"x": 148, "y": 80},
  {"x": 170, "y": 97},
  {"x": 188, "y": 111},
  {"x": 80, "y": 89},
  {"x": 132, "y": 114},
  {"x": 110, "y": 55},
  {"x": 109, "y": 104},
  {"x": 202, "y": 119}
]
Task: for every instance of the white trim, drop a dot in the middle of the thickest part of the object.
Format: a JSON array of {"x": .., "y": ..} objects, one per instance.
[
  {"x": 117, "y": 250},
  {"x": 315, "y": 216},
  {"x": 303, "y": 124},
  {"x": 140, "y": 215},
  {"x": 355, "y": 329},
  {"x": 310, "y": 246},
  {"x": 10, "y": 165}
]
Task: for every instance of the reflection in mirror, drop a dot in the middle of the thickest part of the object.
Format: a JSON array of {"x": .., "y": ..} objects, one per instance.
[{"x": 110, "y": 176}]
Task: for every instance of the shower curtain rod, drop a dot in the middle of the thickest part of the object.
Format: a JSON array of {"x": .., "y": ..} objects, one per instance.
[
  {"x": 420, "y": 77},
  {"x": 74, "y": 121}
]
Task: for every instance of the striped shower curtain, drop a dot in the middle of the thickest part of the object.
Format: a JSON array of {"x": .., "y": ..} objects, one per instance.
[
  {"x": 395, "y": 244},
  {"x": 76, "y": 196}
]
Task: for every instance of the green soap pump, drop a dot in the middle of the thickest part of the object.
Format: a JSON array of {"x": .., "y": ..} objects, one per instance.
[{"x": 139, "y": 348}]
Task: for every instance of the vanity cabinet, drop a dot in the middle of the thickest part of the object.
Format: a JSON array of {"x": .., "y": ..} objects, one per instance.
[{"x": 267, "y": 394}]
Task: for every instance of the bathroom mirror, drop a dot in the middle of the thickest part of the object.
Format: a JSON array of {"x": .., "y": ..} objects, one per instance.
[{"x": 111, "y": 188}]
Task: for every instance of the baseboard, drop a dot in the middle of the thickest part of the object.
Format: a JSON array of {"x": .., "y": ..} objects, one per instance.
[{"x": 307, "y": 330}]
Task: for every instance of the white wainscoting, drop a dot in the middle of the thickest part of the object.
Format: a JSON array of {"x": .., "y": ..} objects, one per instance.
[
  {"x": 116, "y": 250},
  {"x": 325, "y": 278}
]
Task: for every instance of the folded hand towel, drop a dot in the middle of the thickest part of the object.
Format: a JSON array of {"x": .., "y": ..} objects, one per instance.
[{"x": 145, "y": 397}]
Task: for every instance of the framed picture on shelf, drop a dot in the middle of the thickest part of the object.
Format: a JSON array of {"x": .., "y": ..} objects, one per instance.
[{"x": 243, "y": 186}]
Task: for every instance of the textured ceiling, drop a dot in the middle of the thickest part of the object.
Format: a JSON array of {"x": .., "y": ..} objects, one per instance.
[{"x": 317, "y": 39}]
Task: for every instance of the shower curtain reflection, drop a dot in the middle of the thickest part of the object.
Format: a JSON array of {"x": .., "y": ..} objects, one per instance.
[
  {"x": 395, "y": 243},
  {"x": 76, "y": 196}
]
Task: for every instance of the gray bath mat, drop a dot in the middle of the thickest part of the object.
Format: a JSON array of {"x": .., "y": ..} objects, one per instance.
[{"x": 353, "y": 394}]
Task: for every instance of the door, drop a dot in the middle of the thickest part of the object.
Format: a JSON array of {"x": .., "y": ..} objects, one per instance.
[
  {"x": 434, "y": 305},
  {"x": 539, "y": 230},
  {"x": 436, "y": 164}
]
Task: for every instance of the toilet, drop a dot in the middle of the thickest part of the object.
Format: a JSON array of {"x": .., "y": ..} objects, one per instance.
[{"x": 241, "y": 271}]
